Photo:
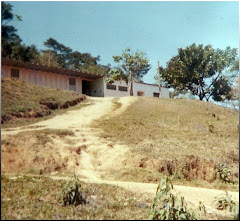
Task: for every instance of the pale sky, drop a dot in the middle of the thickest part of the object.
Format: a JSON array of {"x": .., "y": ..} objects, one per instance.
[{"x": 106, "y": 28}]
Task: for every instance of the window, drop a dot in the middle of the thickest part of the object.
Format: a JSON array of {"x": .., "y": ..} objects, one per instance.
[
  {"x": 111, "y": 87},
  {"x": 14, "y": 73},
  {"x": 155, "y": 94},
  {"x": 140, "y": 93},
  {"x": 72, "y": 84},
  {"x": 121, "y": 88}
]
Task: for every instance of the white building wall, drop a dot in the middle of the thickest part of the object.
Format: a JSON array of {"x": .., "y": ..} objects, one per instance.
[
  {"x": 5, "y": 72},
  {"x": 165, "y": 92},
  {"x": 116, "y": 93},
  {"x": 44, "y": 79},
  {"x": 149, "y": 89},
  {"x": 79, "y": 85},
  {"x": 98, "y": 87}
]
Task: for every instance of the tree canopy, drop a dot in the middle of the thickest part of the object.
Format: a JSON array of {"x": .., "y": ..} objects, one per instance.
[
  {"x": 12, "y": 46},
  {"x": 131, "y": 66},
  {"x": 202, "y": 70}
]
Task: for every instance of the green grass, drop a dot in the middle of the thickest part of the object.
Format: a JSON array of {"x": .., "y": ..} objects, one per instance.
[
  {"x": 173, "y": 131},
  {"x": 18, "y": 96},
  {"x": 38, "y": 198}
]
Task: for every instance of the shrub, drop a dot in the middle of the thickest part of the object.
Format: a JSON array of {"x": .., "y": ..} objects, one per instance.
[
  {"x": 226, "y": 202},
  {"x": 224, "y": 173},
  {"x": 72, "y": 193},
  {"x": 167, "y": 206}
]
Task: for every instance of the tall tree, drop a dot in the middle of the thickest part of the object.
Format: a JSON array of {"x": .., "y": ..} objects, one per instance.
[
  {"x": 9, "y": 33},
  {"x": 11, "y": 42},
  {"x": 61, "y": 51},
  {"x": 131, "y": 66},
  {"x": 202, "y": 70},
  {"x": 48, "y": 58}
]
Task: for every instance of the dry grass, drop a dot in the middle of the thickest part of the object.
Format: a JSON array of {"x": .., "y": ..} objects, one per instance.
[
  {"x": 150, "y": 176},
  {"x": 175, "y": 130},
  {"x": 38, "y": 198}
]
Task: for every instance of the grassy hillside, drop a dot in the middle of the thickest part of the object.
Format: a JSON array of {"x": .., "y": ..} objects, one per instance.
[
  {"x": 21, "y": 101},
  {"x": 174, "y": 136}
]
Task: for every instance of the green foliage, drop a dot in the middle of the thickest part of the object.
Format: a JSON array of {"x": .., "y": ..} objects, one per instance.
[
  {"x": 131, "y": 66},
  {"x": 11, "y": 42},
  {"x": 115, "y": 75},
  {"x": 72, "y": 193},
  {"x": 224, "y": 174},
  {"x": 201, "y": 70},
  {"x": 221, "y": 90},
  {"x": 225, "y": 202},
  {"x": 59, "y": 55},
  {"x": 167, "y": 206}
]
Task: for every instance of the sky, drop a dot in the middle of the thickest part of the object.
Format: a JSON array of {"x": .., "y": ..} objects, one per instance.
[{"x": 158, "y": 28}]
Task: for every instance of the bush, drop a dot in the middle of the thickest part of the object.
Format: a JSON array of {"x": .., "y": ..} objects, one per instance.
[
  {"x": 223, "y": 202},
  {"x": 226, "y": 202},
  {"x": 224, "y": 173},
  {"x": 72, "y": 193},
  {"x": 167, "y": 206}
]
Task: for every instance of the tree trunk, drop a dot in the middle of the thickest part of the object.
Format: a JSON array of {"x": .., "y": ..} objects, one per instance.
[{"x": 131, "y": 85}]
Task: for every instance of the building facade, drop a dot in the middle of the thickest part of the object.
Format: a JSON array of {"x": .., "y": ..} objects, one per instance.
[{"x": 81, "y": 82}]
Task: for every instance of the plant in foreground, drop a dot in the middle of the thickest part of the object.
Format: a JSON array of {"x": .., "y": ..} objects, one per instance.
[
  {"x": 226, "y": 202},
  {"x": 167, "y": 206},
  {"x": 72, "y": 193}
]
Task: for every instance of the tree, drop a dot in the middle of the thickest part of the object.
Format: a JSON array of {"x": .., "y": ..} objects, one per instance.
[
  {"x": 201, "y": 70},
  {"x": 60, "y": 55},
  {"x": 9, "y": 35},
  {"x": 132, "y": 66},
  {"x": 11, "y": 42},
  {"x": 235, "y": 94},
  {"x": 48, "y": 58},
  {"x": 61, "y": 51}
]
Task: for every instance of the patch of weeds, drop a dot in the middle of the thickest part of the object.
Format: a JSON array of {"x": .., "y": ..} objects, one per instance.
[
  {"x": 226, "y": 202},
  {"x": 63, "y": 133},
  {"x": 224, "y": 174},
  {"x": 72, "y": 193},
  {"x": 210, "y": 127},
  {"x": 117, "y": 104},
  {"x": 43, "y": 138},
  {"x": 167, "y": 206}
]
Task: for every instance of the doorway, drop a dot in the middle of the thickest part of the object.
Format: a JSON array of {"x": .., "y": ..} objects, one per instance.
[{"x": 86, "y": 87}]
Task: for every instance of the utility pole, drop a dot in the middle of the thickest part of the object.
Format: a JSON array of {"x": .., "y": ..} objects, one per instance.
[{"x": 159, "y": 81}]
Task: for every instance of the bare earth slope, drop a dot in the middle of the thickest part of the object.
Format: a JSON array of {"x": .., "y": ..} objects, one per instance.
[{"x": 90, "y": 156}]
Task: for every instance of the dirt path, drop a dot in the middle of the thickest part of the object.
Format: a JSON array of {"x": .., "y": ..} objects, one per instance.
[{"x": 101, "y": 155}]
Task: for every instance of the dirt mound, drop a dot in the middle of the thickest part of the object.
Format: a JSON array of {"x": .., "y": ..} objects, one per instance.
[{"x": 188, "y": 168}]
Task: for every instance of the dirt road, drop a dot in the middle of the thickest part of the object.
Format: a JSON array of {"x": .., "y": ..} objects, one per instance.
[{"x": 102, "y": 155}]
